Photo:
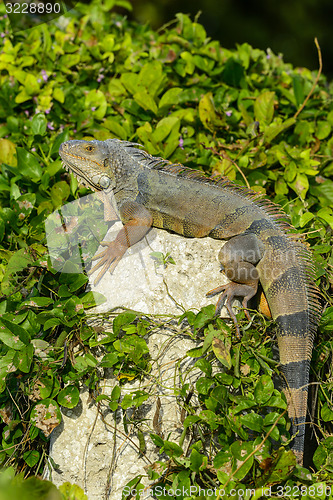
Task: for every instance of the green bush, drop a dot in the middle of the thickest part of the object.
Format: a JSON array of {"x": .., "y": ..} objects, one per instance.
[{"x": 244, "y": 114}]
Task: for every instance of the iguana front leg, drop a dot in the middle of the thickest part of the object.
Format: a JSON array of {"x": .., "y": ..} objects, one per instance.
[
  {"x": 238, "y": 258},
  {"x": 137, "y": 221}
]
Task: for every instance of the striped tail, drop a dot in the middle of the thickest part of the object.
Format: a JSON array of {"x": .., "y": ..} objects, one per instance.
[
  {"x": 293, "y": 300},
  {"x": 295, "y": 348}
]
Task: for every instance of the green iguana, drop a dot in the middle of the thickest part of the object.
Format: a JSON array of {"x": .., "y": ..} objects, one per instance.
[{"x": 151, "y": 191}]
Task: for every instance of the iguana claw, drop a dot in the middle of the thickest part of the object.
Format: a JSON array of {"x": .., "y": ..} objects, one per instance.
[
  {"x": 109, "y": 259},
  {"x": 230, "y": 291}
]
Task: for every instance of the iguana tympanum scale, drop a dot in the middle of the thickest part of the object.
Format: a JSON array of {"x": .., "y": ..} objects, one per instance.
[{"x": 151, "y": 191}]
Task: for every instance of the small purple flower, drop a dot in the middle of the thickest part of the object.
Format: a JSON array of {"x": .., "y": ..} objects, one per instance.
[
  {"x": 50, "y": 126},
  {"x": 44, "y": 75},
  {"x": 2, "y": 35},
  {"x": 47, "y": 111},
  {"x": 26, "y": 112},
  {"x": 228, "y": 113},
  {"x": 93, "y": 108},
  {"x": 100, "y": 78},
  {"x": 33, "y": 149},
  {"x": 181, "y": 142}
]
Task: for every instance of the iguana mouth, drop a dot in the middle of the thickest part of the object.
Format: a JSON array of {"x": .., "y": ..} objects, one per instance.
[{"x": 79, "y": 175}]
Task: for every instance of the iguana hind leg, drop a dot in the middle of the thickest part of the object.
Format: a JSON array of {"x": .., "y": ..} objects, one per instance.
[{"x": 238, "y": 257}]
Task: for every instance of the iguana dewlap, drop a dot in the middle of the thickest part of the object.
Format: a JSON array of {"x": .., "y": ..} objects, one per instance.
[{"x": 153, "y": 192}]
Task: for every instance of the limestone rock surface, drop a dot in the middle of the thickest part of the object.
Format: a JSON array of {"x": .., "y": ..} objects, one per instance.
[{"x": 91, "y": 446}]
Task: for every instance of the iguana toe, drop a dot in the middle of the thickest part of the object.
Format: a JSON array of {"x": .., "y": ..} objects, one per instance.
[{"x": 230, "y": 292}]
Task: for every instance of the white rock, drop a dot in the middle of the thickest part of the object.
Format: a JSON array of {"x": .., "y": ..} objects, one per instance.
[{"x": 88, "y": 449}]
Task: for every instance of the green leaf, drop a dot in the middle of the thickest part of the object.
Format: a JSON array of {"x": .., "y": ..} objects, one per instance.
[
  {"x": 221, "y": 349},
  {"x": 220, "y": 393},
  {"x": 121, "y": 320},
  {"x": 109, "y": 360},
  {"x": 323, "y": 129},
  {"x": 263, "y": 389},
  {"x": 28, "y": 165},
  {"x": 58, "y": 94},
  {"x": 241, "y": 452},
  {"x": 46, "y": 415},
  {"x": 172, "y": 449},
  {"x": 300, "y": 185},
  {"x": 72, "y": 492},
  {"x": 210, "y": 418},
  {"x": 38, "y": 302},
  {"x": 152, "y": 77},
  {"x": 68, "y": 60},
  {"x": 47, "y": 387},
  {"x": 31, "y": 457},
  {"x": 116, "y": 128},
  {"x": 327, "y": 215},
  {"x": 264, "y": 107},
  {"x": 164, "y": 127},
  {"x": 23, "y": 358},
  {"x": 38, "y": 124},
  {"x": 221, "y": 458},
  {"x": 7, "y": 152},
  {"x": 233, "y": 73},
  {"x": 170, "y": 98},
  {"x": 190, "y": 420},
  {"x": 253, "y": 421},
  {"x": 60, "y": 191},
  {"x": 115, "y": 394},
  {"x": 96, "y": 101},
  {"x": 204, "y": 366},
  {"x": 62, "y": 137},
  {"x": 203, "y": 385},
  {"x": 276, "y": 127},
  {"x": 69, "y": 396},
  {"x": 206, "y": 314},
  {"x": 323, "y": 456},
  {"x": 208, "y": 116},
  {"x": 326, "y": 413},
  {"x": 146, "y": 101},
  {"x": 283, "y": 464},
  {"x": 196, "y": 460},
  {"x": 12, "y": 334},
  {"x": 92, "y": 299},
  {"x": 157, "y": 440},
  {"x": 52, "y": 322},
  {"x": 305, "y": 218}
]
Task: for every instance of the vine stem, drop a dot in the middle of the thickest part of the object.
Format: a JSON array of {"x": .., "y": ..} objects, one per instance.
[{"x": 315, "y": 82}]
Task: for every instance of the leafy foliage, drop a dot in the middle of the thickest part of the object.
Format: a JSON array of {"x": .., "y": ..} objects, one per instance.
[
  {"x": 34, "y": 488},
  {"x": 240, "y": 113}
]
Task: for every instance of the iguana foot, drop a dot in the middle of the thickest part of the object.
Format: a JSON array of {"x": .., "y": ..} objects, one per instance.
[
  {"x": 109, "y": 259},
  {"x": 230, "y": 291}
]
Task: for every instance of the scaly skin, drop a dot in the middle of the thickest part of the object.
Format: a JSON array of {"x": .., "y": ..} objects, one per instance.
[{"x": 153, "y": 192}]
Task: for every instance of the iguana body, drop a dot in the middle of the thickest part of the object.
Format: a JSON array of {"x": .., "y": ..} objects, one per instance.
[{"x": 152, "y": 192}]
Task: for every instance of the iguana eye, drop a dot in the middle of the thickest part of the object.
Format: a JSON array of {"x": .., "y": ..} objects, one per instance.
[{"x": 89, "y": 148}]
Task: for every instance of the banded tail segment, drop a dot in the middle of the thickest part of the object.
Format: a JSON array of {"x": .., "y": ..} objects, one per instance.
[{"x": 293, "y": 300}]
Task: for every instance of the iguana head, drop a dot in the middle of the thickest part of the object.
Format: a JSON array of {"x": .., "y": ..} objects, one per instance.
[{"x": 90, "y": 163}]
